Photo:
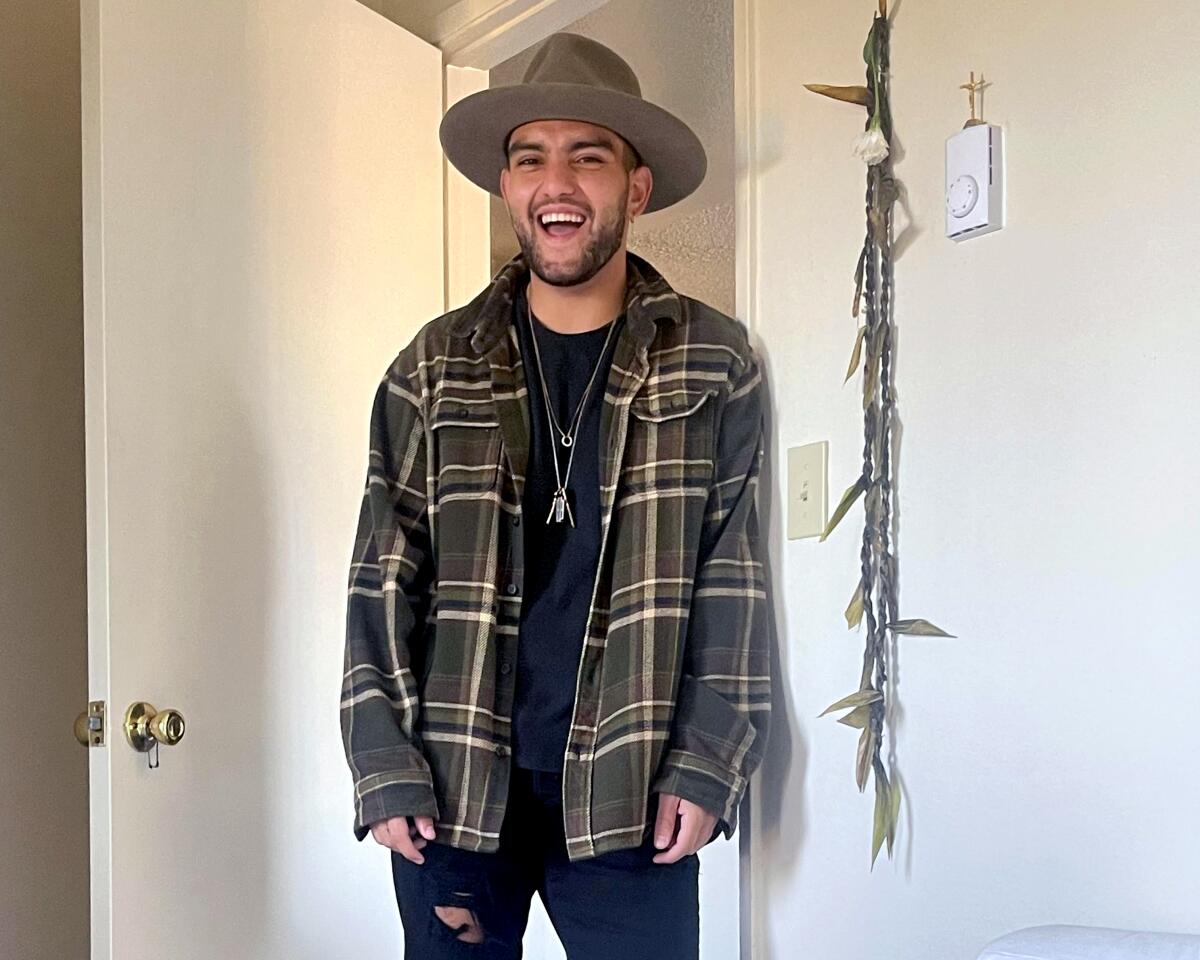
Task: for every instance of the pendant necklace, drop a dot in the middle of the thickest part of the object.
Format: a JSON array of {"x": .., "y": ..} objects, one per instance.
[{"x": 559, "y": 506}]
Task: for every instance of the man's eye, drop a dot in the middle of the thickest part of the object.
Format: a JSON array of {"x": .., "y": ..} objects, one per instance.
[
  {"x": 527, "y": 160},
  {"x": 597, "y": 159}
]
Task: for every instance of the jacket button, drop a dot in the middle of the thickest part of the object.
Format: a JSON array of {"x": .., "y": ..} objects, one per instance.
[
  {"x": 512, "y": 589},
  {"x": 516, "y": 521},
  {"x": 505, "y": 667},
  {"x": 501, "y": 750}
]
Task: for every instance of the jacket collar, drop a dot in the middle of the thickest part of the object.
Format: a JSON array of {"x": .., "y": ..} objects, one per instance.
[{"x": 648, "y": 298}]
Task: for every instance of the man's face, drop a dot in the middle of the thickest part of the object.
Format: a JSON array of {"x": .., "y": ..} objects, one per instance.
[{"x": 576, "y": 168}]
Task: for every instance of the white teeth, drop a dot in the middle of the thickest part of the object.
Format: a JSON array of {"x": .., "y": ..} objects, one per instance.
[{"x": 561, "y": 218}]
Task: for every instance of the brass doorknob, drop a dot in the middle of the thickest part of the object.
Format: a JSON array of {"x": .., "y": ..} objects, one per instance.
[{"x": 145, "y": 726}]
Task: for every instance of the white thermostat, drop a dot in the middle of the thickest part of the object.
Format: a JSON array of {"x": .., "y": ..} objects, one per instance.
[{"x": 975, "y": 181}]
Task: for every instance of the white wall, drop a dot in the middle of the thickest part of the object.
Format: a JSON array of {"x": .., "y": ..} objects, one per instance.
[
  {"x": 1048, "y": 390},
  {"x": 43, "y": 643}
]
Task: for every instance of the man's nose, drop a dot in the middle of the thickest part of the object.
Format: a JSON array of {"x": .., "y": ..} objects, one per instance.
[{"x": 558, "y": 177}]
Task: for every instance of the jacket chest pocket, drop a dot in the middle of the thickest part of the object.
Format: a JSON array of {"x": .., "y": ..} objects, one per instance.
[
  {"x": 466, "y": 448},
  {"x": 663, "y": 405},
  {"x": 671, "y": 439}
]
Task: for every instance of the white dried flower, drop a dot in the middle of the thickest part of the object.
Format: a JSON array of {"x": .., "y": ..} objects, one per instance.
[{"x": 871, "y": 146}]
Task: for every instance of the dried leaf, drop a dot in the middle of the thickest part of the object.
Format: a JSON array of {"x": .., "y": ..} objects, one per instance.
[
  {"x": 856, "y": 356},
  {"x": 866, "y": 750},
  {"x": 918, "y": 628},
  {"x": 859, "y": 95},
  {"x": 874, "y": 499},
  {"x": 893, "y": 817},
  {"x": 854, "y": 612},
  {"x": 887, "y": 193},
  {"x": 858, "y": 281},
  {"x": 871, "y": 379},
  {"x": 867, "y": 670},
  {"x": 878, "y": 223},
  {"x": 860, "y": 698},
  {"x": 858, "y": 718},
  {"x": 883, "y": 806},
  {"x": 853, "y": 492}
]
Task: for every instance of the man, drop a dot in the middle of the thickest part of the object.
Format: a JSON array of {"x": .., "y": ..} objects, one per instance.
[{"x": 556, "y": 661}]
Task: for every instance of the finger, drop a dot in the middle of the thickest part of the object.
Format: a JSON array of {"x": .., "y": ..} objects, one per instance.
[
  {"x": 404, "y": 846},
  {"x": 415, "y": 835},
  {"x": 676, "y": 851},
  {"x": 381, "y": 831},
  {"x": 664, "y": 824},
  {"x": 425, "y": 826},
  {"x": 701, "y": 823},
  {"x": 689, "y": 834},
  {"x": 402, "y": 843}
]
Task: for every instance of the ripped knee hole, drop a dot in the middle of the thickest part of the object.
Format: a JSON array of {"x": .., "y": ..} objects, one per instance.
[{"x": 462, "y": 921}]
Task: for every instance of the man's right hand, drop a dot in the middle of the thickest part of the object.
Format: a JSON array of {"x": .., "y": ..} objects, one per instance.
[{"x": 396, "y": 833}]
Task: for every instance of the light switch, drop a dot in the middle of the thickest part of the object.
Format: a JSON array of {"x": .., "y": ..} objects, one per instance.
[{"x": 808, "y": 490}]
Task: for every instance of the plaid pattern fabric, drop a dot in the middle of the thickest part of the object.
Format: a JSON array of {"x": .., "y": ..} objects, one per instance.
[{"x": 672, "y": 691}]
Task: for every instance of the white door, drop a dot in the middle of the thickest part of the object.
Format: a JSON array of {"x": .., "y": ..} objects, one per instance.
[{"x": 263, "y": 231}]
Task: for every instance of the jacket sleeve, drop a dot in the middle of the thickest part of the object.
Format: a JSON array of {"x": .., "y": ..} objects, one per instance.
[
  {"x": 719, "y": 730},
  {"x": 388, "y": 600}
]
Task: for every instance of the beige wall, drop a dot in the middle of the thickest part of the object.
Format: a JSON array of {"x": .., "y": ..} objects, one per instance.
[
  {"x": 43, "y": 649},
  {"x": 1050, "y": 405}
]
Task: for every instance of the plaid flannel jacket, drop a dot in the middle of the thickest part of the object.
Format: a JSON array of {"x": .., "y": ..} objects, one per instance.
[{"x": 672, "y": 691}]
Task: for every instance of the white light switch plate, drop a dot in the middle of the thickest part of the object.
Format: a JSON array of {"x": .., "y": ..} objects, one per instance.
[{"x": 807, "y": 490}]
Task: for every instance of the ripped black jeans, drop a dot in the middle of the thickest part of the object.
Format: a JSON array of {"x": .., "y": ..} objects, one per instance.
[{"x": 617, "y": 906}]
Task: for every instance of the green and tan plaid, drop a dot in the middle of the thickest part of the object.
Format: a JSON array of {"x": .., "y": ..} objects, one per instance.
[{"x": 673, "y": 687}]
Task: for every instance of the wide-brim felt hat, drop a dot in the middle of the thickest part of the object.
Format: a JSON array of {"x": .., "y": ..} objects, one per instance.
[{"x": 572, "y": 77}]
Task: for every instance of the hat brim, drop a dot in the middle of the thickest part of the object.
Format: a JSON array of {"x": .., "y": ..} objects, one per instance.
[{"x": 473, "y": 130}]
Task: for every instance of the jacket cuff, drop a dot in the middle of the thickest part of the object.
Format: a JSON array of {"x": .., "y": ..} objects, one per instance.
[
  {"x": 693, "y": 778},
  {"x": 711, "y": 753},
  {"x": 394, "y": 782}
]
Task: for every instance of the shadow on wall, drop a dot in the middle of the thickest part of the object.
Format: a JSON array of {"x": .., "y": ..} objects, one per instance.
[{"x": 781, "y": 750}]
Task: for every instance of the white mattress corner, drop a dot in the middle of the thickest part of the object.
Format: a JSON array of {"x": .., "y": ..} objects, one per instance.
[{"x": 1059, "y": 942}]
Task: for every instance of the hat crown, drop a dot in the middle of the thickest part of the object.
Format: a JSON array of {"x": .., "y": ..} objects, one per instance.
[
  {"x": 572, "y": 77},
  {"x": 572, "y": 58}
]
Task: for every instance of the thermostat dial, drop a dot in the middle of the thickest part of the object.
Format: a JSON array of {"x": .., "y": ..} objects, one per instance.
[{"x": 962, "y": 196}]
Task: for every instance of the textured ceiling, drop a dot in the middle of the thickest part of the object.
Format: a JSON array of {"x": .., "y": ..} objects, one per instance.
[{"x": 416, "y": 16}]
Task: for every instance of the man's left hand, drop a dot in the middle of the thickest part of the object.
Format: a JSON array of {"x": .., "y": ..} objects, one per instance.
[{"x": 695, "y": 828}]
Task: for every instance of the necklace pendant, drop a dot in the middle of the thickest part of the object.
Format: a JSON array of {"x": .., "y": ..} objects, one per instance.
[
  {"x": 560, "y": 507},
  {"x": 567, "y": 439}
]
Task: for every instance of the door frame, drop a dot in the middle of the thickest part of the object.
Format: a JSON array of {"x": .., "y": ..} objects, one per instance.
[{"x": 473, "y": 41}]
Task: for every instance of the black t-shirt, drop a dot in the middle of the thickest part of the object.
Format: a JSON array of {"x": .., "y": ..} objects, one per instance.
[{"x": 560, "y": 560}]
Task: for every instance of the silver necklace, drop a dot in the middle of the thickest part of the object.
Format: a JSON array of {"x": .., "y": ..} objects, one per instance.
[{"x": 559, "y": 506}]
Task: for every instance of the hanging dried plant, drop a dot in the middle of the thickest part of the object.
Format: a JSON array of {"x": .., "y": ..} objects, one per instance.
[{"x": 875, "y": 596}]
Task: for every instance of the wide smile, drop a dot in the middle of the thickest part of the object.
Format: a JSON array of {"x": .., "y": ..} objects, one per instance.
[{"x": 558, "y": 231}]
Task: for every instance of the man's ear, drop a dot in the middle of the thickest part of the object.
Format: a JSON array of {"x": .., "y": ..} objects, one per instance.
[
  {"x": 641, "y": 183},
  {"x": 504, "y": 183}
]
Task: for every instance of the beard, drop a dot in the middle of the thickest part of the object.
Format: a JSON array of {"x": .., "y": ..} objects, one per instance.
[{"x": 605, "y": 240}]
